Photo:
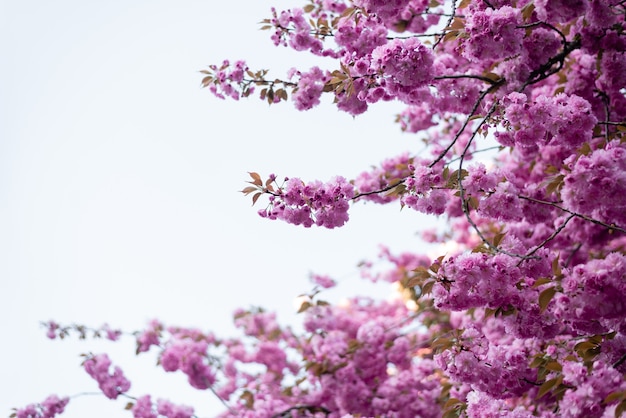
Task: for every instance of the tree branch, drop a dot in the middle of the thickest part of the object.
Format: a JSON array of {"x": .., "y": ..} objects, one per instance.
[
  {"x": 477, "y": 77},
  {"x": 309, "y": 408},
  {"x": 448, "y": 23},
  {"x": 550, "y": 238},
  {"x": 576, "y": 214},
  {"x": 467, "y": 119},
  {"x": 619, "y": 362}
]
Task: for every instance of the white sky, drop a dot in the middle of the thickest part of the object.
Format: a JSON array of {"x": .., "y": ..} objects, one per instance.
[{"x": 119, "y": 179}]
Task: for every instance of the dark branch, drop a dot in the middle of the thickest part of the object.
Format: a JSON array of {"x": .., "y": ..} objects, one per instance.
[
  {"x": 619, "y": 362},
  {"x": 299, "y": 408},
  {"x": 550, "y": 238},
  {"x": 477, "y": 77},
  {"x": 576, "y": 214},
  {"x": 467, "y": 119}
]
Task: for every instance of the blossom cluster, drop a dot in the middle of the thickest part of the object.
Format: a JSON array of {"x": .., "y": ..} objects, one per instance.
[
  {"x": 144, "y": 408},
  {"x": 315, "y": 203},
  {"x": 111, "y": 384},
  {"x": 519, "y": 312},
  {"x": 190, "y": 357},
  {"x": 49, "y": 408},
  {"x": 310, "y": 88},
  {"x": 562, "y": 119},
  {"x": 400, "y": 15},
  {"x": 292, "y": 28},
  {"x": 493, "y": 33},
  {"x": 408, "y": 63},
  {"x": 361, "y": 36},
  {"x": 55, "y": 330},
  {"x": 391, "y": 172},
  {"x": 596, "y": 184},
  {"x": 591, "y": 297},
  {"x": 223, "y": 79}
]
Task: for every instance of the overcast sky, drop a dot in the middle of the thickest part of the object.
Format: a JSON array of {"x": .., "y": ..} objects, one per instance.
[{"x": 119, "y": 179}]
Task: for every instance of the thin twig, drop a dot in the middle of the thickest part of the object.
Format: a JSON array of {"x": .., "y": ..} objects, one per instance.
[
  {"x": 448, "y": 23},
  {"x": 310, "y": 408},
  {"x": 571, "y": 256},
  {"x": 384, "y": 189},
  {"x": 550, "y": 238},
  {"x": 545, "y": 71},
  {"x": 464, "y": 204},
  {"x": 271, "y": 83},
  {"x": 576, "y": 214},
  {"x": 530, "y": 25},
  {"x": 619, "y": 362},
  {"x": 498, "y": 147},
  {"x": 484, "y": 94},
  {"x": 477, "y": 77},
  {"x": 607, "y": 112},
  {"x": 222, "y": 400}
]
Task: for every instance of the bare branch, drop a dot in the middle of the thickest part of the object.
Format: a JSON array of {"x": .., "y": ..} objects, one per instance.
[
  {"x": 550, "y": 238},
  {"x": 477, "y": 77},
  {"x": 578, "y": 215}
]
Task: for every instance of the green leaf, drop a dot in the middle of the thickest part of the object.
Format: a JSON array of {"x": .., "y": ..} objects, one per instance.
[
  {"x": 584, "y": 346},
  {"x": 451, "y": 403},
  {"x": 615, "y": 396},
  {"x": 556, "y": 268},
  {"x": 545, "y": 297},
  {"x": 537, "y": 361},
  {"x": 585, "y": 149},
  {"x": 554, "y": 366},
  {"x": 527, "y": 11},
  {"x": 498, "y": 239},
  {"x": 400, "y": 26},
  {"x": 441, "y": 344},
  {"x": 446, "y": 173},
  {"x": 492, "y": 76},
  {"x": 555, "y": 184},
  {"x": 489, "y": 312},
  {"x": 546, "y": 387},
  {"x": 541, "y": 281}
]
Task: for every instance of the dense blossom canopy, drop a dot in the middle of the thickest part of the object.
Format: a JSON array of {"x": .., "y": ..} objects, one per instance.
[{"x": 525, "y": 315}]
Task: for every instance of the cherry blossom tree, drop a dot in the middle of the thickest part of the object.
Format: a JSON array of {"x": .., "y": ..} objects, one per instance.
[{"x": 525, "y": 315}]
